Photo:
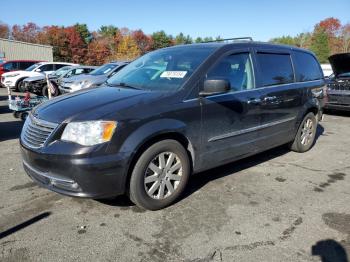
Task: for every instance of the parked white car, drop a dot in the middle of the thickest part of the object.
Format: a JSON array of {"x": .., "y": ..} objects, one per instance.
[{"x": 15, "y": 79}]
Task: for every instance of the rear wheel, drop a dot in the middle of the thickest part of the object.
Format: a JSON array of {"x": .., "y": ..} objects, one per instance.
[
  {"x": 160, "y": 175},
  {"x": 306, "y": 134}
]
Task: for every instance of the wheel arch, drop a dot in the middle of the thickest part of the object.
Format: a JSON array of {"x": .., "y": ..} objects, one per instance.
[{"x": 173, "y": 135}]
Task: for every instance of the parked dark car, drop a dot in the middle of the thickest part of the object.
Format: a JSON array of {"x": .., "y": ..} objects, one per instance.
[
  {"x": 170, "y": 113},
  {"x": 38, "y": 84},
  {"x": 339, "y": 83},
  {"x": 93, "y": 79}
]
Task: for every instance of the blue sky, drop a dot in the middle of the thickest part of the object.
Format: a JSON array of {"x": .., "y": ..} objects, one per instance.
[{"x": 260, "y": 19}]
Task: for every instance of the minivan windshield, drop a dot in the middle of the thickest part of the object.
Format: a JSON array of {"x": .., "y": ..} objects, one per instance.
[
  {"x": 102, "y": 70},
  {"x": 162, "y": 70},
  {"x": 33, "y": 67}
]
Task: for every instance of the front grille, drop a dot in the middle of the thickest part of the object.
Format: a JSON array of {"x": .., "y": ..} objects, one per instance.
[
  {"x": 36, "y": 132},
  {"x": 343, "y": 85}
]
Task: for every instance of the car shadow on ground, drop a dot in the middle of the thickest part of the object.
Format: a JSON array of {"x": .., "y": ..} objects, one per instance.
[
  {"x": 329, "y": 251},
  {"x": 10, "y": 130},
  {"x": 337, "y": 113},
  {"x": 197, "y": 181}
]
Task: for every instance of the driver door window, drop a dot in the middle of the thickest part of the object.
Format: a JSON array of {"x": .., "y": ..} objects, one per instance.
[{"x": 237, "y": 69}]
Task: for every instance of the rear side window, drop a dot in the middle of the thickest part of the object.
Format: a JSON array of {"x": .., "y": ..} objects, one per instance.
[
  {"x": 306, "y": 67},
  {"x": 47, "y": 67},
  {"x": 276, "y": 69},
  {"x": 9, "y": 66},
  {"x": 25, "y": 65},
  {"x": 58, "y": 66}
]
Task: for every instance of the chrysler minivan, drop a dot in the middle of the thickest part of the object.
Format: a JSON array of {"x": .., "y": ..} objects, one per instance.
[{"x": 171, "y": 113}]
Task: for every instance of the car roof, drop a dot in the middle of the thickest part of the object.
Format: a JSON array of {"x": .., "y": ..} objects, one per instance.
[
  {"x": 61, "y": 63},
  {"x": 93, "y": 67},
  {"x": 236, "y": 44}
]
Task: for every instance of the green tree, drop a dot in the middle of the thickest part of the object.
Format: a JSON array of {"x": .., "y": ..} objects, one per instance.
[
  {"x": 320, "y": 44},
  {"x": 285, "y": 40},
  {"x": 198, "y": 40},
  {"x": 208, "y": 39},
  {"x": 84, "y": 32},
  {"x": 181, "y": 39},
  {"x": 108, "y": 30},
  {"x": 161, "y": 40}
]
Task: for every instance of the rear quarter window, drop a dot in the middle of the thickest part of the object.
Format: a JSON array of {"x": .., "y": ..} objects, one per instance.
[
  {"x": 275, "y": 69},
  {"x": 307, "y": 67}
]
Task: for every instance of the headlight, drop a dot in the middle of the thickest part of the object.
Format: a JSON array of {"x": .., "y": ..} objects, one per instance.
[
  {"x": 81, "y": 84},
  {"x": 13, "y": 75},
  {"x": 90, "y": 132}
]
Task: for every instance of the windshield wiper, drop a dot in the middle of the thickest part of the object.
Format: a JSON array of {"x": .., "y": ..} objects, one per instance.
[{"x": 122, "y": 84}]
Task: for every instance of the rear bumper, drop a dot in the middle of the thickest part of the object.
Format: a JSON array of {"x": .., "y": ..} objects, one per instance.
[{"x": 89, "y": 177}]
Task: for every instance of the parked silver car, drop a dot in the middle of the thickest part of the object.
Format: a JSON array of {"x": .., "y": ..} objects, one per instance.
[{"x": 93, "y": 79}]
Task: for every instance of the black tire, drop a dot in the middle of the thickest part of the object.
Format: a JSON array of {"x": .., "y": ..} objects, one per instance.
[
  {"x": 137, "y": 189},
  {"x": 303, "y": 143},
  {"x": 20, "y": 86},
  {"x": 16, "y": 114},
  {"x": 24, "y": 116},
  {"x": 44, "y": 91}
]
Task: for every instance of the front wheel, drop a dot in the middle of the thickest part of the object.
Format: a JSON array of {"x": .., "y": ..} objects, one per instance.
[
  {"x": 306, "y": 134},
  {"x": 21, "y": 87},
  {"x": 160, "y": 175}
]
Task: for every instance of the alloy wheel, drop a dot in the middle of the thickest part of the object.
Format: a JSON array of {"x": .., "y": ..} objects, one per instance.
[{"x": 163, "y": 175}]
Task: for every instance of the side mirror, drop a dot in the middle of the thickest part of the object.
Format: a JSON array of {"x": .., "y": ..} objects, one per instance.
[{"x": 215, "y": 87}]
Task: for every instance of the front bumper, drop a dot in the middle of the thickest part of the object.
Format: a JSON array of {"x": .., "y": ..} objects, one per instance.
[
  {"x": 89, "y": 176},
  {"x": 338, "y": 100}
]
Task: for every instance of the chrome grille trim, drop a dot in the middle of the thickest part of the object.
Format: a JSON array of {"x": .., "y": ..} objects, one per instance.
[{"x": 36, "y": 132}]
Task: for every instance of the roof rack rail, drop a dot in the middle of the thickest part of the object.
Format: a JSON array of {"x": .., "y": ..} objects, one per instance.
[{"x": 248, "y": 38}]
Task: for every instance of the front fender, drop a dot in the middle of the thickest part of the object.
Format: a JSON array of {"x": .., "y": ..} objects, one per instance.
[{"x": 150, "y": 130}]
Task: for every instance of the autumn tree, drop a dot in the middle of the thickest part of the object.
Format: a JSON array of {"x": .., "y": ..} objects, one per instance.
[
  {"x": 320, "y": 45},
  {"x": 4, "y": 30},
  {"x": 127, "y": 49},
  {"x": 56, "y": 37},
  {"x": 76, "y": 45},
  {"x": 26, "y": 33},
  {"x": 84, "y": 32},
  {"x": 345, "y": 38},
  {"x": 143, "y": 41},
  {"x": 331, "y": 27},
  {"x": 98, "y": 51}
]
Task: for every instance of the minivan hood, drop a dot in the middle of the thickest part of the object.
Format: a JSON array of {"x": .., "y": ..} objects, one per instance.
[
  {"x": 91, "y": 104},
  {"x": 340, "y": 63}
]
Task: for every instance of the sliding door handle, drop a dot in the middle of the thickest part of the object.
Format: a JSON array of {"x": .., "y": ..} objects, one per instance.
[{"x": 254, "y": 101}]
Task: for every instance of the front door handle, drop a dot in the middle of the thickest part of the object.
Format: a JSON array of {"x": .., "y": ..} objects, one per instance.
[
  {"x": 254, "y": 101},
  {"x": 270, "y": 98}
]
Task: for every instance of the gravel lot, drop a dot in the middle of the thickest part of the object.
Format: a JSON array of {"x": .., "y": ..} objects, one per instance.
[{"x": 276, "y": 206}]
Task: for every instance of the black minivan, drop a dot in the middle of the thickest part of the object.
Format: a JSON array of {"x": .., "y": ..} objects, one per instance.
[{"x": 170, "y": 113}]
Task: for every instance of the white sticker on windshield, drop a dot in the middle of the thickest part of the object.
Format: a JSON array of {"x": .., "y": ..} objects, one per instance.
[{"x": 173, "y": 74}]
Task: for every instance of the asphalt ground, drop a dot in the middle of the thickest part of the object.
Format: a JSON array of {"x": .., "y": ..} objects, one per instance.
[{"x": 275, "y": 206}]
